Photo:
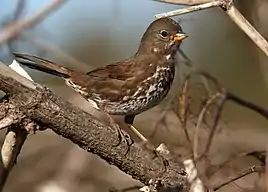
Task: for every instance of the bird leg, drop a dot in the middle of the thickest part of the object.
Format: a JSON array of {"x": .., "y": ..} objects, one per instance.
[
  {"x": 129, "y": 120},
  {"x": 122, "y": 137}
]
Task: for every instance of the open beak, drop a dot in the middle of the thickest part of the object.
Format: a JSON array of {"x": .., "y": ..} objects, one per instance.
[{"x": 179, "y": 36}]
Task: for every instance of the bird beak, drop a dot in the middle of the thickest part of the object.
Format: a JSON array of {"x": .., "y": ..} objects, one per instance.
[{"x": 179, "y": 36}]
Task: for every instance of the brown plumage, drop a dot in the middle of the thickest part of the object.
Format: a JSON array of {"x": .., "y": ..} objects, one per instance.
[{"x": 128, "y": 87}]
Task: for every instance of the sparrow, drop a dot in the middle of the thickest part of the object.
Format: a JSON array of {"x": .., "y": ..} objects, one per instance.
[{"x": 128, "y": 87}]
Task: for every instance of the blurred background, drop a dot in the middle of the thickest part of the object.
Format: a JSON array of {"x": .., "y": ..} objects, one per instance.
[{"x": 84, "y": 35}]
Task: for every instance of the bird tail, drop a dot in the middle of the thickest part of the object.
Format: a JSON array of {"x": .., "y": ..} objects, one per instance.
[{"x": 43, "y": 65}]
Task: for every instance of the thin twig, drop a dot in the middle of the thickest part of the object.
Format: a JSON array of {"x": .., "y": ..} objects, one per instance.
[
  {"x": 160, "y": 121},
  {"x": 259, "y": 155},
  {"x": 215, "y": 122},
  {"x": 187, "y": 61},
  {"x": 191, "y": 65},
  {"x": 201, "y": 117},
  {"x": 184, "y": 2},
  {"x": 184, "y": 105},
  {"x": 233, "y": 13},
  {"x": 15, "y": 28},
  {"x": 245, "y": 26},
  {"x": 183, "y": 111},
  {"x": 228, "y": 96},
  {"x": 191, "y": 9},
  {"x": 262, "y": 111},
  {"x": 209, "y": 77},
  {"x": 252, "y": 169},
  {"x": 228, "y": 161},
  {"x": 19, "y": 9}
]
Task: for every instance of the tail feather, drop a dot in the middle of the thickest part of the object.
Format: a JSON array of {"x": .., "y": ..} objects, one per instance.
[{"x": 43, "y": 65}]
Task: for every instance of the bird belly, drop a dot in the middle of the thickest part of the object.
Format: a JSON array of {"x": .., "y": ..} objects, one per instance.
[{"x": 148, "y": 94}]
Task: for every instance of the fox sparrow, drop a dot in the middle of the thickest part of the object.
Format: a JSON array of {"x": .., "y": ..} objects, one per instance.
[{"x": 131, "y": 86}]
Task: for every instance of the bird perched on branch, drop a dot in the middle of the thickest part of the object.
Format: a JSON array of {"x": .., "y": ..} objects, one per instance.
[{"x": 128, "y": 87}]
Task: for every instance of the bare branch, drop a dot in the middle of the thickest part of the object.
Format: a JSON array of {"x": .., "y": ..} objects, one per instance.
[
  {"x": 200, "y": 121},
  {"x": 184, "y": 2},
  {"x": 19, "y": 9},
  {"x": 15, "y": 28},
  {"x": 191, "y": 9},
  {"x": 215, "y": 122},
  {"x": 14, "y": 140},
  {"x": 183, "y": 109},
  {"x": 233, "y": 13},
  {"x": 258, "y": 109},
  {"x": 245, "y": 26},
  {"x": 248, "y": 171}
]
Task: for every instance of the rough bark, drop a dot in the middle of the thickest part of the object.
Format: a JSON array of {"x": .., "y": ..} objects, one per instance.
[{"x": 29, "y": 101}]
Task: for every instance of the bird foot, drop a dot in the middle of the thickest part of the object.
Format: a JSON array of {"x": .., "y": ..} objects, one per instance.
[
  {"x": 122, "y": 136},
  {"x": 148, "y": 145},
  {"x": 125, "y": 138},
  {"x": 156, "y": 154}
]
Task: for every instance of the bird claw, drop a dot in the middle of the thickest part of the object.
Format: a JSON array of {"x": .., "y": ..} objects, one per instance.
[
  {"x": 124, "y": 137},
  {"x": 163, "y": 159},
  {"x": 156, "y": 155}
]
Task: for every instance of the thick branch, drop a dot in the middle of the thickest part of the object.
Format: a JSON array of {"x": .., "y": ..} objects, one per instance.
[{"x": 47, "y": 109}]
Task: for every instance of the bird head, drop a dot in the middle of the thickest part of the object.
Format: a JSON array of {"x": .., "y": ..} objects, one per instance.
[{"x": 163, "y": 35}]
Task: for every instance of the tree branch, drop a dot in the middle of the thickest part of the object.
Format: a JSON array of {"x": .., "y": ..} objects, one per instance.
[
  {"x": 185, "y": 2},
  {"x": 14, "y": 140},
  {"x": 191, "y": 9},
  {"x": 48, "y": 110},
  {"x": 233, "y": 13},
  {"x": 16, "y": 27}
]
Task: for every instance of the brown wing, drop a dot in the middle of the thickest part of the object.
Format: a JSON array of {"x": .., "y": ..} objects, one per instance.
[
  {"x": 107, "y": 82},
  {"x": 115, "y": 81},
  {"x": 120, "y": 71}
]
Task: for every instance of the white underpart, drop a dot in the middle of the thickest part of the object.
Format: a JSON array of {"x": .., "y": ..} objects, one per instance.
[
  {"x": 16, "y": 67},
  {"x": 156, "y": 50},
  {"x": 137, "y": 92},
  {"x": 154, "y": 86},
  {"x": 125, "y": 98},
  {"x": 93, "y": 104},
  {"x": 168, "y": 57},
  {"x": 156, "y": 75},
  {"x": 82, "y": 91},
  {"x": 151, "y": 88},
  {"x": 76, "y": 87}
]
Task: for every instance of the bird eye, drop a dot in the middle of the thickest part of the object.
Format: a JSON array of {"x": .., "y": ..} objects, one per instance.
[{"x": 164, "y": 33}]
